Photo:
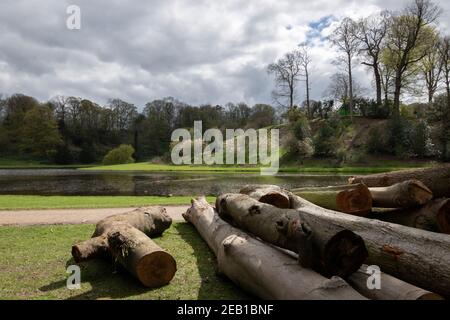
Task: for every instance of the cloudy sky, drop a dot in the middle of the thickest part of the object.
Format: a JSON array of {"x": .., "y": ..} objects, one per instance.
[{"x": 200, "y": 51}]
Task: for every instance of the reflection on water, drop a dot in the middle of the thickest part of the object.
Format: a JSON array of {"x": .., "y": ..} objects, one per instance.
[{"x": 77, "y": 182}]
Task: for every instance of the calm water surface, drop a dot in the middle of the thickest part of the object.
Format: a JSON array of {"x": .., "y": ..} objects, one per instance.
[{"x": 78, "y": 182}]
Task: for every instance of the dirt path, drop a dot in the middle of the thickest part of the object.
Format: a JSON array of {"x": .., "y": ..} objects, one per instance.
[{"x": 71, "y": 216}]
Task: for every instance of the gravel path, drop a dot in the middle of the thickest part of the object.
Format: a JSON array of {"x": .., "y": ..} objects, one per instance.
[{"x": 71, "y": 216}]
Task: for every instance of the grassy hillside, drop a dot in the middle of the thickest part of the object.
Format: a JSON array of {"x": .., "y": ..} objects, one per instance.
[{"x": 362, "y": 142}]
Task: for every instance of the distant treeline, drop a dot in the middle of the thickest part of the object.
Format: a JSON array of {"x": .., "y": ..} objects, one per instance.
[{"x": 69, "y": 130}]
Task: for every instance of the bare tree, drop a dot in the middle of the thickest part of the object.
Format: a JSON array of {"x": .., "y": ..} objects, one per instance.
[
  {"x": 288, "y": 73},
  {"x": 305, "y": 62},
  {"x": 60, "y": 105},
  {"x": 339, "y": 88},
  {"x": 387, "y": 80},
  {"x": 431, "y": 68},
  {"x": 73, "y": 111},
  {"x": 371, "y": 33},
  {"x": 345, "y": 40},
  {"x": 124, "y": 113},
  {"x": 407, "y": 41}
]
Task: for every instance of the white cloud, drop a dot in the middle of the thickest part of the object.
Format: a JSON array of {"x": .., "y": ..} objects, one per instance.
[{"x": 202, "y": 51}]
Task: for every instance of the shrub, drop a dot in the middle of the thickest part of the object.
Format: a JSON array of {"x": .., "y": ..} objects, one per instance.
[
  {"x": 300, "y": 149},
  {"x": 400, "y": 137},
  {"x": 422, "y": 145},
  {"x": 120, "y": 155},
  {"x": 300, "y": 128},
  {"x": 305, "y": 148},
  {"x": 411, "y": 138},
  {"x": 438, "y": 114},
  {"x": 326, "y": 140},
  {"x": 377, "y": 111},
  {"x": 293, "y": 114},
  {"x": 374, "y": 143},
  {"x": 370, "y": 108}
]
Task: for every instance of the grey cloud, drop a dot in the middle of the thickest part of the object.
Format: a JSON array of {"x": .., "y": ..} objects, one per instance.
[{"x": 198, "y": 51}]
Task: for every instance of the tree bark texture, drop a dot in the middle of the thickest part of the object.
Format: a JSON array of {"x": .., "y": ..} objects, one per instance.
[
  {"x": 329, "y": 250},
  {"x": 125, "y": 238},
  {"x": 259, "y": 268},
  {"x": 437, "y": 179}
]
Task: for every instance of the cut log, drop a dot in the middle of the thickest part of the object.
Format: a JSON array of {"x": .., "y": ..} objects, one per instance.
[
  {"x": 259, "y": 268},
  {"x": 268, "y": 194},
  {"x": 352, "y": 199},
  {"x": 416, "y": 256},
  {"x": 433, "y": 216},
  {"x": 125, "y": 238},
  {"x": 328, "y": 250},
  {"x": 406, "y": 194},
  {"x": 390, "y": 288},
  {"x": 437, "y": 179}
]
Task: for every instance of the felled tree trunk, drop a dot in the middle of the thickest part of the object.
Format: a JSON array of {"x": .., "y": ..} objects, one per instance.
[
  {"x": 406, "y": 253},
  {"x": 259, "y": 268},
  {"x": 406, "y": 194},
  {"x": 433, "y": 216},
  {"x": 329, "y": 250},
  {"x": 267, "y": 194},
  {"x": 125, "y": 238},
  {"x": 390, "y": 287},
  {"x": 416, "y": 256},
  {"x": 437, "y": 179},
  {"x": 353, "y": 199}
]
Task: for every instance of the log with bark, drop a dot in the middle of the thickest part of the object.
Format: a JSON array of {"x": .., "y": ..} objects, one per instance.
[
  {"x": 437, "y": 179},
  {"x": 125, "y": 238},
  {"x": 330, "y": 250},
  {"x": 352, "y": 199},
  {"x": 268, "y": 194},
  {"x": 390, "y": 287},
  {"x": 416, "y": 256},
  {"x": 406, "y": 194},
  {"x": 259, "y": 268},
  {"x": 433, "y": 216}
]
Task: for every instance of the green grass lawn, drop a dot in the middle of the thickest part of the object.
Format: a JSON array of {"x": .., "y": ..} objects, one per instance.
[
  {"x": 11, "y": 163},
  {"x": 146, "y": 166},
  {"x": 12, "y": 202},
  {"x": 309, "y": 166},
  {"x": 33, "y": 262}
]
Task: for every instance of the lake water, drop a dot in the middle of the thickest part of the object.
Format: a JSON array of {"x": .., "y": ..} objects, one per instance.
[{"x": 78, "y": 182}]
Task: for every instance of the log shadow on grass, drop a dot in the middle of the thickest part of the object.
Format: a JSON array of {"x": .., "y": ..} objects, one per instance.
[
  {"x": 213, "y": 285},
  {"x": 108, "y": 281},
  {"x": 196, "y": 277}
]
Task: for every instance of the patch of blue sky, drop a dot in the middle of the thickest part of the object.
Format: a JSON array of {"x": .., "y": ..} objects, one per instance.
[{"x": 316, "y": 27}]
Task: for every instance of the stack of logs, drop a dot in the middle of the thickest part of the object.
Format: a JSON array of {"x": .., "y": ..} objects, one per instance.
[{"x": 398, "y": 222}]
